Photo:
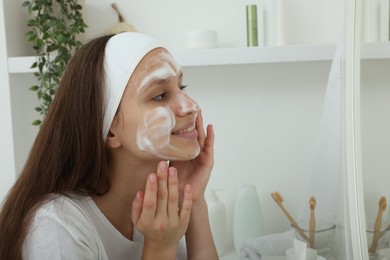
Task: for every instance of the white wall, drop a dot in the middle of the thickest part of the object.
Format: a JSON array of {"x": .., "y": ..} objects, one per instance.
[
  {"x": 6, "y": 141},
  {"x": 16, "y": 19},
  {"x": 22, "y": 100},
  {"x": 305, "y": 21},
  {"x": 266, "y": 120},
  {"x": 375, "y": 105}
]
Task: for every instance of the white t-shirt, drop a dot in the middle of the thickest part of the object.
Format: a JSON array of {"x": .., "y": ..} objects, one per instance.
[{"x": 75, "y": 229}]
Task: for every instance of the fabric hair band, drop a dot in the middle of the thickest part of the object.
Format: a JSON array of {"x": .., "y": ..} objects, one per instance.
[{"x": 123, "y": 52}]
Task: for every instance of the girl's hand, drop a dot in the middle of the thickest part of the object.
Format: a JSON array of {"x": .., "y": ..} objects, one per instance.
[
  {"x": 156, "y": 215},
  {"x": 199, "y": 240},
  {"x": 197, "y": 171}
]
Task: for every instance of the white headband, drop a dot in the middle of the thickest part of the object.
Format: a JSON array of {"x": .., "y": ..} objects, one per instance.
[{"x": 123, "y": 52}]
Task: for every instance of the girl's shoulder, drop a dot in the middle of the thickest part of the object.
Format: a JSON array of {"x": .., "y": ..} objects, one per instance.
[
  {"x": 63, "y": 209},
  {"x": 61, "y": 224}
]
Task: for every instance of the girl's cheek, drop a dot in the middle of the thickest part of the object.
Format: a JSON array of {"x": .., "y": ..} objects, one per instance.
[{"x": 155, "y": 133}]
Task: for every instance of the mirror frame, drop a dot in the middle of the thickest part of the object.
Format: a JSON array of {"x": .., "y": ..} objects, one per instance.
[{"x": 352, "y": 163}]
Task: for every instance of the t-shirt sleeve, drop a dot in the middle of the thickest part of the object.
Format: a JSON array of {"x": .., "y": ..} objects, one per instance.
[{"x": 48, "y": 238}]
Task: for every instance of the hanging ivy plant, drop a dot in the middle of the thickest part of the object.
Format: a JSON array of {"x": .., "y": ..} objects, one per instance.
[{"x": 54, "y": 27}]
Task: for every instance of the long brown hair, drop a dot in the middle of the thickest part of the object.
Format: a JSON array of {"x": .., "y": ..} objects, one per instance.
[{"x": 68, "y": 155}]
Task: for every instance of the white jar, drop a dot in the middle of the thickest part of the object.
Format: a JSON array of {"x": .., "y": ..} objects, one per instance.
[{"x": 200, "y": 39}]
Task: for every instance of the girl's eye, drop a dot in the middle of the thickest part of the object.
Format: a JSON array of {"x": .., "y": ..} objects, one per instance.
[
  {"x": 164, "y": 95},
  {"x": 160, "y": 97}
]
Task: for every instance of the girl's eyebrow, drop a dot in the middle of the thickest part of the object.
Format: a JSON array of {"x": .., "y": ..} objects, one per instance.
[
  {"x": 159, "y": 82},
  {"x": 154, "y": 83},
  {"x": 162, "y": 81}
]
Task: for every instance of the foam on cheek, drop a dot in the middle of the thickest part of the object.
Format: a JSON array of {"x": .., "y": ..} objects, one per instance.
[{"x": 155, "y": 134}]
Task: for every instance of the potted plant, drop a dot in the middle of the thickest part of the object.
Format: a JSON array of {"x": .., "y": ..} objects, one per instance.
[{"x": 54, "y": 27}]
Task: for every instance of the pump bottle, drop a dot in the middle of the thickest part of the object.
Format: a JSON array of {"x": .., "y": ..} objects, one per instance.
[{"x": 217, "y": 218}]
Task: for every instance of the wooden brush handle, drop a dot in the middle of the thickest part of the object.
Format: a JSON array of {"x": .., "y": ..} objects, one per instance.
[
  {"x": 374, "y": 244},
  {"x": 377, "y": 233},
  {"x": 293, "y": 222},
  {"x": 300, "y": 231},
  {"x": 384, "y": 231},
  {"x": 312, "y": 226}
]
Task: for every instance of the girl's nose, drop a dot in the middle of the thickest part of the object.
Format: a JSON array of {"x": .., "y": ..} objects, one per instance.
[{"x": 186, "y": 105}]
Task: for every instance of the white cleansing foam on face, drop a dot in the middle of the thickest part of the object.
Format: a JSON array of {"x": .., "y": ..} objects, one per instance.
[
  {"x": 154, "y": 136},
  {"x": 164, "y": 72}
]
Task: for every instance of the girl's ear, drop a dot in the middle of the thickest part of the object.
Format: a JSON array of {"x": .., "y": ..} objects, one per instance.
[{"x": 112, "y": 138}]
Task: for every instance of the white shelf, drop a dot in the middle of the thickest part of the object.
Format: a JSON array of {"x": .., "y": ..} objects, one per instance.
[
  {"x": 237, "y": 56},
  {"x": 253, "y": 55}
]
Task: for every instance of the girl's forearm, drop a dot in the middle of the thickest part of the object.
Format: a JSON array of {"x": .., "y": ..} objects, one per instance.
[{"x": 200, "y": 243}]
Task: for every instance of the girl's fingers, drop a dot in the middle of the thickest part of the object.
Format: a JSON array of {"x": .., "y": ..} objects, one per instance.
[
  {"x": 173, "y": 194},
  {"x": 186, "y": 207},
  {"x": 150, "y": 198},
  {"x": 209, "y": 142},
  {"x": 207, "y": 154},
  {"x": 136, "y": 208},
  {"x": 200, "y": 129},
  {"x": 162, "y": 193}
]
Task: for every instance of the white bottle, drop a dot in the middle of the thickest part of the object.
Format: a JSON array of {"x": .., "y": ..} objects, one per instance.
[
  {"x": 273, "y": 22},
  {"x": 217, "y": 218},
  {"x": 247, "y": 216}
]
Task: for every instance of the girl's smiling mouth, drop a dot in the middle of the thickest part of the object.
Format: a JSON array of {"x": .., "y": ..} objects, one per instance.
[{"x": 188, "y": 131}]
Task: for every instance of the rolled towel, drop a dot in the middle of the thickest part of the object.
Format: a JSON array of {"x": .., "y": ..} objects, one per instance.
[{"x": 268, "y": 245}]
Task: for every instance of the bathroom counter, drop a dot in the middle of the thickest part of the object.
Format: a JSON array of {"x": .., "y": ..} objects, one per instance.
[
  {"x": 231, "y": 255},
  {"x": 234, "y": 256}
]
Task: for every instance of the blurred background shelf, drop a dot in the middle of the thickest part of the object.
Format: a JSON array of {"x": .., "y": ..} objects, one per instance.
[{"x": 243, "y": 55}]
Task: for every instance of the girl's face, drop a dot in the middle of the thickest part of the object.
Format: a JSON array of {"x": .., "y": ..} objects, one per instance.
[{"x": 156, "y": 116}]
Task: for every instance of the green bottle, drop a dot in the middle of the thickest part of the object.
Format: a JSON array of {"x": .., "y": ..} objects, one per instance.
[{"x": 251, "y": 26}]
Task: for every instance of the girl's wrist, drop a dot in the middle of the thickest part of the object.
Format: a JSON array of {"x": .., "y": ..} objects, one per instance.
[
  {"x": 199, "y": 207},
  {"x": 153, "y": 251}
]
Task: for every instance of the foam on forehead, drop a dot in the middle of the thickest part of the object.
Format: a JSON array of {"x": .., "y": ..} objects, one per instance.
[{"x": 123, "y": 52}]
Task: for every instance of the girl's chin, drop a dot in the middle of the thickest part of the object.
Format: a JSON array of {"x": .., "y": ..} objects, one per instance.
[
  {"x": 187, "y": 157},
  {"x": 182, "y": 155}
]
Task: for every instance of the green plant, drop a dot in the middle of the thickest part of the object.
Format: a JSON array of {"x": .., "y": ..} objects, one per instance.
[{"x": 54, "y": 27}]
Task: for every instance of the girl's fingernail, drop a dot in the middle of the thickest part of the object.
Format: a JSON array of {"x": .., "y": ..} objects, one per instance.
[
  {"x": 171, "y": 172},
  {"x": 138, "y": 197},
  {"x": 188, "y": 188},
  {"x": 162, "y": 166},
  {"x": 152, "y": 178}
]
